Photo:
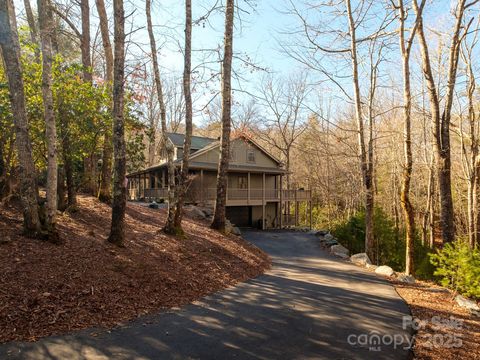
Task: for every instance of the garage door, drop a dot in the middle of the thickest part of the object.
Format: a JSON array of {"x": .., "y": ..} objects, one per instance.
[{"x": 240, "y": 215}]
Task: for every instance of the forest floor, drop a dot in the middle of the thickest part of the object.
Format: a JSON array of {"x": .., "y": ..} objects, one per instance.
[
  {"x": 445, "y": 331},
  {"x": 48, "y": 289}
]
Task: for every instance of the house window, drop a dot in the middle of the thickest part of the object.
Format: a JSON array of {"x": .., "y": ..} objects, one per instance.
[
  {"x": 242, "y": 182},
  {"x": 251, "y": 155}
]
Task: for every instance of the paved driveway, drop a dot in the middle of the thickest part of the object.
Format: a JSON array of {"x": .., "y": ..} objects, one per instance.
[{"x": 309, "y": 306}]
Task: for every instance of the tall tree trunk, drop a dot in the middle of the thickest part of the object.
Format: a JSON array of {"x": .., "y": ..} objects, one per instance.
[
  {"x": 61, "y": 198},
  {"x": 46, "y": 28},
  {"x": 219, "y": 217},
  {"x": 441, "y": 124},
  {"x": 187, "y": 69},
  {"x": 105, "y": 184},
  {"x": 85, "y": 41},
  {"x": 168, "y": 147},
  {"x": 408, "y": 211},
  {"x": 32, "y": 27},
  {"x": 67, "y": 154},
  {"x": 10, "y": 46},
  {"x": 117, "y": 232},
  {"x": 367, "y": 181}
]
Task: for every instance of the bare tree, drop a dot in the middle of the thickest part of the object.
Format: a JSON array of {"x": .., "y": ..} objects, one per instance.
[
  {"x": 471, "y": 154},
  {"x": 117, "y": 232},
  {"x": 408, "y": 211},
  {"x": 219, "y": 217},
  {"x": 10, "y": 47},
  {"x": 105, "y": 184},
  {"x": 85, "y": 41},
  {"x": 441, "y": 120},
  {"x": 187, "y": 70},
  {"x": 169, "y": 227},
  {"x": 46, "y": 29}
]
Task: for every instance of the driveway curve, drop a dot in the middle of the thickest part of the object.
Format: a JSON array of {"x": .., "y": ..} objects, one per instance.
[{"x": 310, "y": 305}]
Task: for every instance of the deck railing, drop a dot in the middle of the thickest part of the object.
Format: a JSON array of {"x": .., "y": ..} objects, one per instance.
[{"x": 232, "y": 194}]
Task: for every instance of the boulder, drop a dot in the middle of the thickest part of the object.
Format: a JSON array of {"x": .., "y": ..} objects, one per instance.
[
  {"x": 328, "y": 237},
  {"x": 197, "y": 213},
  {"x": 331, "y": 242},
  {"x": 468, "y": 304},
  {"x": 384, "y": 270},
  {"x": 339, "y": 250},
  {"x": 371, "y": 266},
  {"x": 236, "y": 231},
  {"x": 407, "y": 279},
  {"x": 321, "y": 232},
  {"x": 360, "y": 259}
]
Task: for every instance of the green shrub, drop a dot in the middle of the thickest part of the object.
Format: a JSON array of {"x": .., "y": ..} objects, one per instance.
[
  {"x": 390, "y": 242},
  {"x": 458, "y": 267}
]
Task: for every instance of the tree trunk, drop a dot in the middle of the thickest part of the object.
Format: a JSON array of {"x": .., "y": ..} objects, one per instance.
[
  {"x": 219, "y": 217},
  {"x": 169, "y": 227},
  {"x": 10, "y": 46},
  {"x": 61, "y": 198},
  {"x": 441, "y": 125},
  {"x": 46, "y": 28},
  {"x": 408, "y": 211},
  {"x": 183, "y": 182},
  {"x": 85, "y": 41},
  {"x": 117, "y": 232},
  {"x": 105, "y": 184},
  {"x": 32, "y": 27},
  {"x": 367, "y": 181}
]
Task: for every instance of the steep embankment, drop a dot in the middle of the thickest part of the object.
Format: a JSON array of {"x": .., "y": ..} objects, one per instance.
[{"x": 49, "y": 289}]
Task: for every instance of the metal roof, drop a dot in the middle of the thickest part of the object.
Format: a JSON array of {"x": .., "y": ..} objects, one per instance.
[{"x": 198, "y": 142}]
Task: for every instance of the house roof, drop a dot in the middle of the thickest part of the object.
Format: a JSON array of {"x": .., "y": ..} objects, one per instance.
[
  {"x": 210, "y": 144},
  {"x": 198, "y": 142}
]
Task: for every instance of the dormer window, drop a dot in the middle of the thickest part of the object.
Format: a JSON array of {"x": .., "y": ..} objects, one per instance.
[{"x": 251, "y": 155}]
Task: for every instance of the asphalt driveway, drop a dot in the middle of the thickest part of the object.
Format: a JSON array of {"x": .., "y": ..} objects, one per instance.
[{"x": 309, "y": 306}]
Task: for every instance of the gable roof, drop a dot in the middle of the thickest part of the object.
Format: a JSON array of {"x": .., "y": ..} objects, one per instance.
[
  {"x": 198, "y": 142},
  {"x": 216, "y": 143}
]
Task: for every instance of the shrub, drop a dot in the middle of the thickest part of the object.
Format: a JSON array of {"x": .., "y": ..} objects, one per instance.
[
  {"x": 458, "y": 267},
  {"x": 390, "y": 242}
]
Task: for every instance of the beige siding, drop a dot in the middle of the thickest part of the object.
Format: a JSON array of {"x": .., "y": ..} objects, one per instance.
[{"x": 239, "y": 149}]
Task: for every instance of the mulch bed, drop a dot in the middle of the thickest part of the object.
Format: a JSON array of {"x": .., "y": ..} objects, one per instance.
[
  {"x": 437, "y": 338},
  {"x": 48, "y": 289}
]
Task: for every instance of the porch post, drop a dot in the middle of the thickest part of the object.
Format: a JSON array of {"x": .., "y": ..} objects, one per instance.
[
  {"x": 281, "y": 201},
  {"x": 248, "y": 188},
  {"x": 263, "y": 201},
  {"x": 296, "y": 208},
  {"x": 201, "y": 185}
]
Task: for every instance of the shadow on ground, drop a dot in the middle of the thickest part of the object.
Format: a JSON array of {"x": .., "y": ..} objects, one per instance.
[{"x": 307, "y": 306}]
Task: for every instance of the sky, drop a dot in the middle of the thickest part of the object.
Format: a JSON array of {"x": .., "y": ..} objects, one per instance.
[{"x": 257, "y": 35}]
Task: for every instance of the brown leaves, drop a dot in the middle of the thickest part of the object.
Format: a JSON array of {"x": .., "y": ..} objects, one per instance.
[{"x": 47, "y": 289}]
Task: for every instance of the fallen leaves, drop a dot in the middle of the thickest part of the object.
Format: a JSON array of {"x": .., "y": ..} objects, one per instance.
[
  {"x": 48, "y": 289},
  {"x": 434, "y": 305}
]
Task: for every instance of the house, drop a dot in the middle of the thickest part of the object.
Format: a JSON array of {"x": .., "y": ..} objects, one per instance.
[{"x": 255, "y": 197}]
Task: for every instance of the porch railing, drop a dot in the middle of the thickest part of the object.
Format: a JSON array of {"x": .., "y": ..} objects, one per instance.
[{"x": 232, "y": 194}]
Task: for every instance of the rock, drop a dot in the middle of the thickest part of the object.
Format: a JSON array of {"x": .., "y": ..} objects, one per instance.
[
  {"x": 321, "y": 232},
  {"x": 236, "y": 231},
  {"x": 207, "y": 211},
  {"x": 339, "y": 250},
  {"x": 197, "y": 213},
  {"x": 228, "y": 227},
  {"x": 153, "y": 205},
  {"x": 370, "y": 266},
  {"x": 331, "y": 242},
  {"x": 407, "y": 279},
  {"x": 384, "y": 270},
  {"x": 328, "y": 237},
  {"x": 360, "y": 259},
  {"x": 468, "y": 304}
]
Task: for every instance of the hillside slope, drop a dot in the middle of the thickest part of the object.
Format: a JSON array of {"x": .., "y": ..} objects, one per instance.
[{"x": 48, "y": 289}]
